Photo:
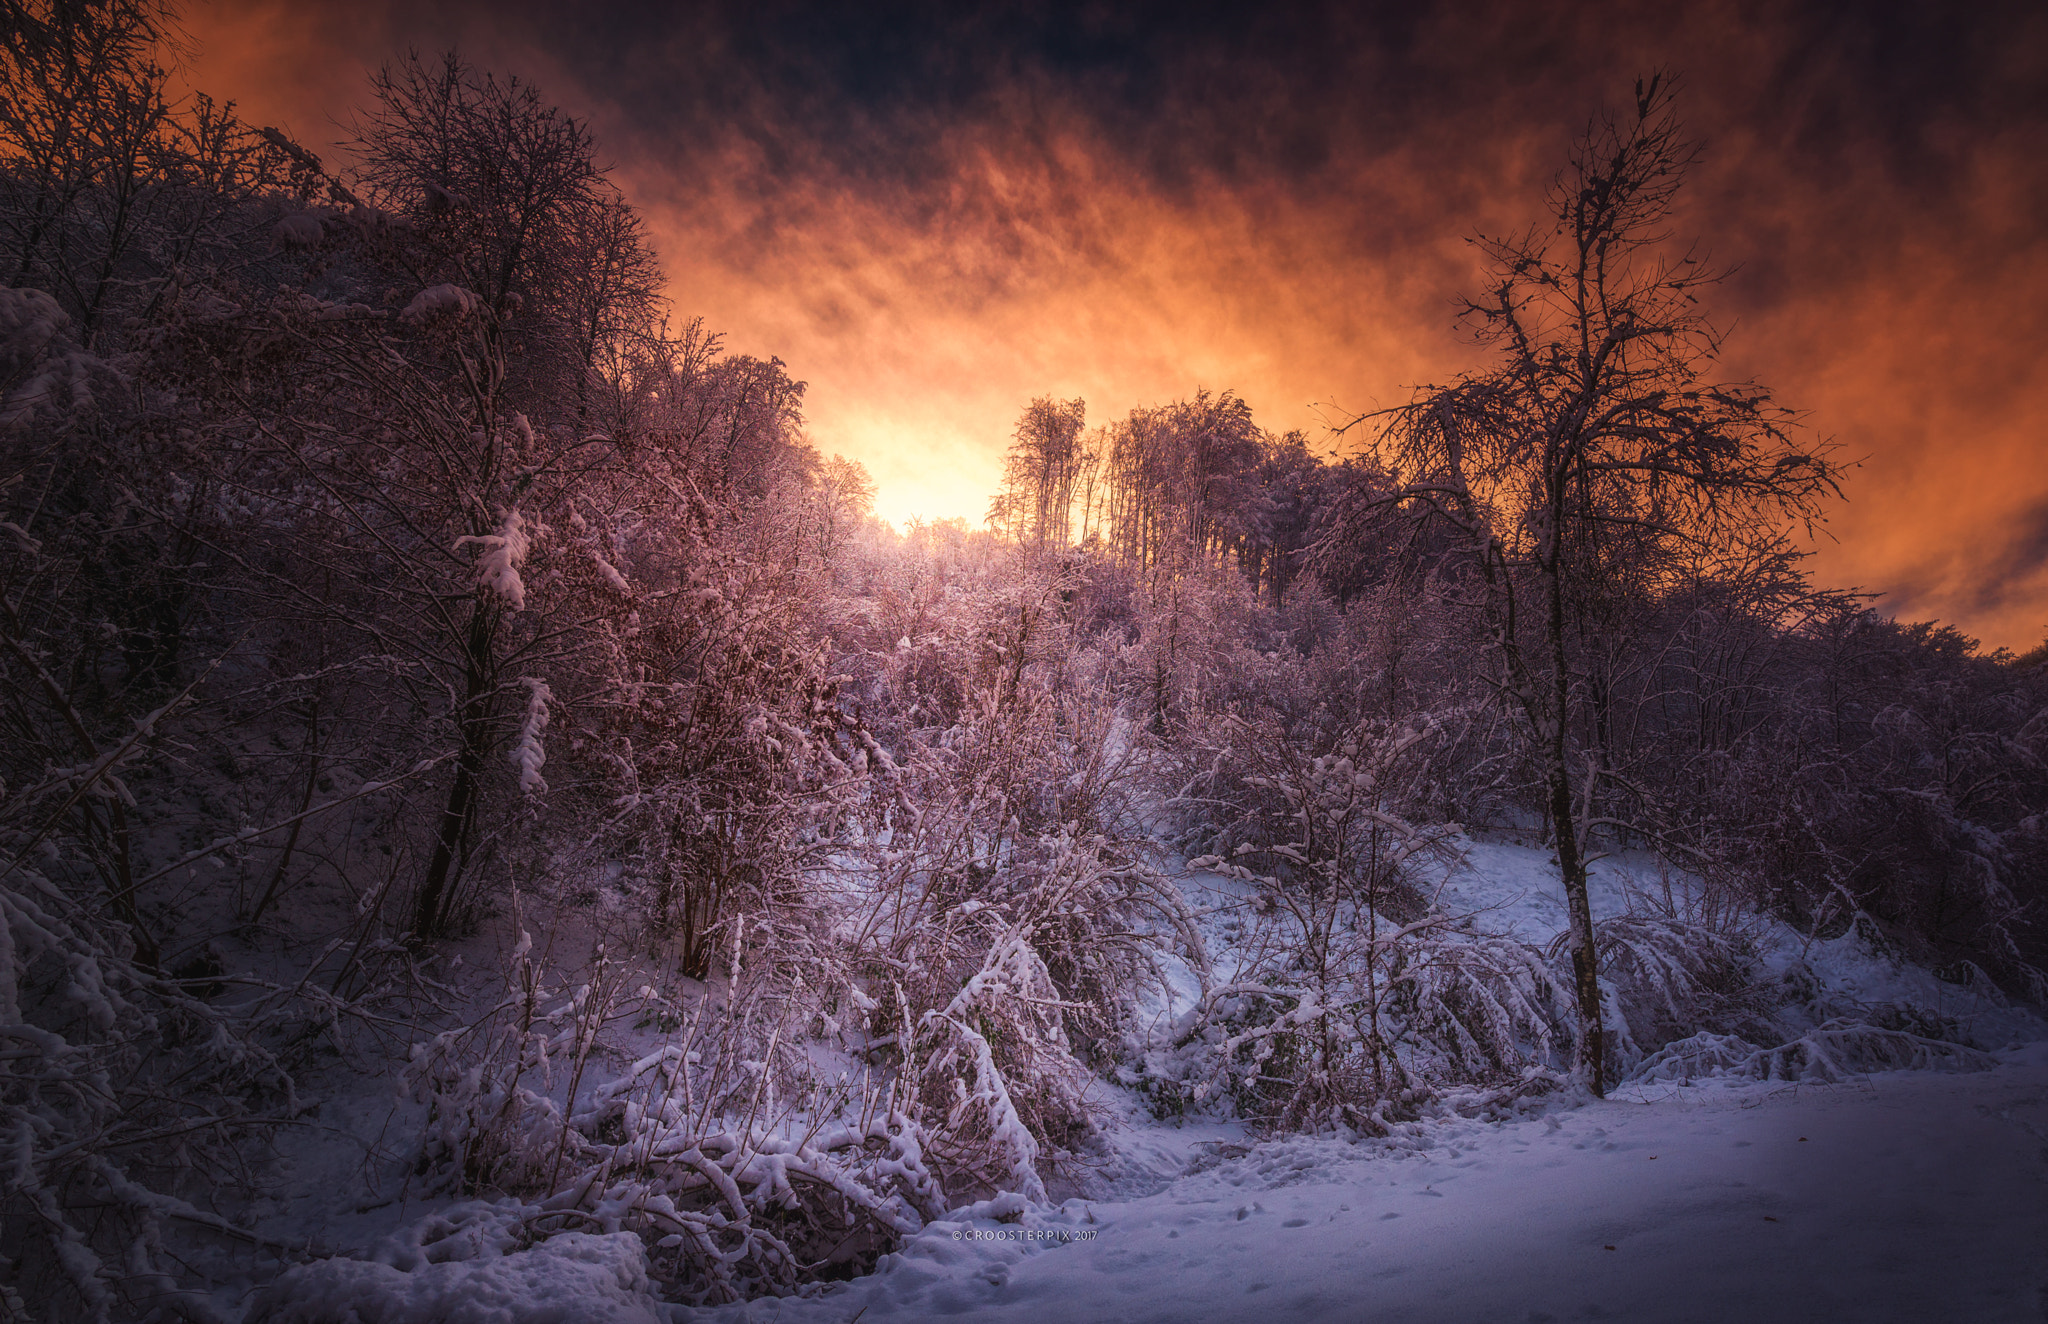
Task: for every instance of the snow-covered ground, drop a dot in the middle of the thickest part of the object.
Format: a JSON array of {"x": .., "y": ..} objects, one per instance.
[{"x": 1909, "y": 1196}]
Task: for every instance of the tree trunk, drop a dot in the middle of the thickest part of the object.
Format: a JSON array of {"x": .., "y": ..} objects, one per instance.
[
  {"x": 443, "y": 868},
  {"x": 291, "y": 841},
  {"x": 1571, "y": 863}
]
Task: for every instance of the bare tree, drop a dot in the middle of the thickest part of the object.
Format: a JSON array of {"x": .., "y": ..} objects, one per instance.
[
  {"x": 1595, "y": 449},
  {"x": 841, "y": 496},
  {"x": 1045, "y": 462},
  {"x": 111, "y": 191},
  {"x": 607, "y": 301},
  {"x": 498, "y": 175},
  {"x": 1177, "y": 478}
]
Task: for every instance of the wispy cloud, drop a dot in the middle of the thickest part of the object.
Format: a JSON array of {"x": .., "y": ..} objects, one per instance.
[{"x": 934, "y": 212}]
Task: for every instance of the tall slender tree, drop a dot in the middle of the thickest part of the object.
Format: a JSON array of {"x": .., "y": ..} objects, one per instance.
[
  {"x": 1591, "y": 458},
  {"x": 1045, "y": 461}
]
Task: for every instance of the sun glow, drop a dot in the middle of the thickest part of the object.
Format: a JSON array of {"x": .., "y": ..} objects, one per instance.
[{"x": 928, "y": 275}]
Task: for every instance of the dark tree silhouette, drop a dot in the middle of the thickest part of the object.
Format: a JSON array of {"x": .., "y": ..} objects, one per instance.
[{"x": 1594, "y": 455}]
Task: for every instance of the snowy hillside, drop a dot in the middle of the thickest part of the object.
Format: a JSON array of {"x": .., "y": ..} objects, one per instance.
[{"x": 1902, "y": 1195}]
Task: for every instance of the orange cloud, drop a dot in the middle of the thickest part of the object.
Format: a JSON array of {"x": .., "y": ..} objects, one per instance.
[{"x": 964, "y": 230}]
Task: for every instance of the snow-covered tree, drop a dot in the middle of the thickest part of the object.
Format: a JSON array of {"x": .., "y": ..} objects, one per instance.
[{"x": 1596, "y": 448}]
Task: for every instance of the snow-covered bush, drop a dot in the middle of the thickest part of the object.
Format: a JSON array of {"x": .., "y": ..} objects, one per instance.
[
  {"x": 1829, "y": 1052},
  {"x": 1012, "y": 920},
  {"x": 124, "y": 1096},
  {"x": 1356, "y": 997},
  {"x": 135, "y": 1071},
  {"x": 1912, "y": 798},
  {"x": 741, "y": 1168},
  {"x": 716, "y": 755},
  {"x": 1052, "y": 950},
  {"x": 1192, "y": 627},
  {"x": 492, "y": 1121},
  {"x": 1668, "y": 977}
]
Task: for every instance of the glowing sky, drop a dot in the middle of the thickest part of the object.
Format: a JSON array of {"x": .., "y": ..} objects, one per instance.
[{"x": 935, "y": 212}]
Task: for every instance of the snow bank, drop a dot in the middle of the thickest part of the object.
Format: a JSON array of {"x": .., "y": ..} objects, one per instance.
[
  {"x": 440, "y": 301},
  {"x": 300, "y": 229},
  {"x": 1908, "y": 1197},
  {"x": 28, "y": 320},
  {"x": 573, "y": 1278}
]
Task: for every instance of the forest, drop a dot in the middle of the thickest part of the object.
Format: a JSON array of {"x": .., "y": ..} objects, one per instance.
[{"x": 432, "y": 660}]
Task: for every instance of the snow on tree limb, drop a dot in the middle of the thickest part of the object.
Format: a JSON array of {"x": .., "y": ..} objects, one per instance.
[{"x": 499, "y": 559}]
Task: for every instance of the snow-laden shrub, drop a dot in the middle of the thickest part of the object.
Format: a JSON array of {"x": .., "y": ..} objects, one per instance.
[
  {"x": 716, "y": 754},
  {"x": 1424, "y": 1012},
  {"x": 134, "y": 1073},
  {"x": 1318, "y": 671},
  {"x": 1011, "y": 923},
  {"x": 1052, "y": 953},
  {"x": 492, "y": 1121},
  {"x": 1669, "y": 978},
  {"x": 29, "y": 320},
  {"x": 1356, "y": 998},
  {"x": 1192, "y": 631},
  {"x": 1899, "y": 778},
  {"x": 40, "y": 373},
  {"x": 954, "y": 883},
  {"x": 1829, "y": 1052},
  {"x": 954, "y": 621},
  {"x": 741, "y": 1169},
  {"x": 123, "y": 1098}
]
